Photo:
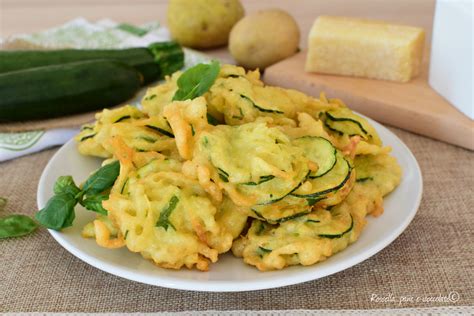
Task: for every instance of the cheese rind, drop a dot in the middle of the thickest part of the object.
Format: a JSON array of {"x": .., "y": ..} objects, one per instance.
[{"x": 365, "y": 48}]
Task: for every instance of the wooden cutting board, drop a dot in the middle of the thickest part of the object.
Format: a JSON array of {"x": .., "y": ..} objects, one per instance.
[{"x": 412, "y": 106}]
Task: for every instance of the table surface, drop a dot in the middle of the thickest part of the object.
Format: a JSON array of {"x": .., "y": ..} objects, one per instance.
[{"x": 433, "y": 257}]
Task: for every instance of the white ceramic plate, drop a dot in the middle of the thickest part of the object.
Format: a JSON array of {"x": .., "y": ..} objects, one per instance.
[{"x": 229, "y": 273}]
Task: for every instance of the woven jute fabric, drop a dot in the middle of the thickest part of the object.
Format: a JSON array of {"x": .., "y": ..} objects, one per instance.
[
  {"x": 59, "y": 122},
  {"x": 431, "y": 311},
  {"x": 433, "y": 258}
]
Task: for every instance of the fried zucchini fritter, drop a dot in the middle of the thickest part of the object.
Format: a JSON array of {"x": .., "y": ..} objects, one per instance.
[{"x": 278, "y": 177}]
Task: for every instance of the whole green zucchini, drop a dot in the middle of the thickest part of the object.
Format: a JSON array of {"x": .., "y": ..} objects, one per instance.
[
  {"x": 153, "y": 62},
  {"x": 57, "y": 90}
]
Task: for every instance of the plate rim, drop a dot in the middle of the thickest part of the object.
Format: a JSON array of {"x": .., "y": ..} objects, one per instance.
[{"x": 233, "y": 286}]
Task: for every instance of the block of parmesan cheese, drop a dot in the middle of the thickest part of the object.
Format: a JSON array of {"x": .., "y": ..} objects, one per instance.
[{"x": 364, "y": 48}]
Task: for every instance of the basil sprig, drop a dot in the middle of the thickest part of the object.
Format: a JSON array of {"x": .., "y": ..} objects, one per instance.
[
  {"x": 59, "y": 210},
  {"x": 196, "y": 81},
  {"x": 64, "y": 185},
  {"x": 94, "y": 203},
  {"x": 15, "y": 225}
]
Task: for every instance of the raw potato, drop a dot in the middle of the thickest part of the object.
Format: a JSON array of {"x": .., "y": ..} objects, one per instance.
[
  {"x": 203, "y": 23},
  {"x": 264, "y": 38}
]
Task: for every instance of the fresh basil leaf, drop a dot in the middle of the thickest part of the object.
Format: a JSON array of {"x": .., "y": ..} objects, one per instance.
[
  {"x": 16, "y": 226},
  {"x": 70, "y": 219},
  {"x": 94, "y": 203},
  {"x": 196, "y": 81},
  {"x": 102, "y": 179},
  {"x": 65, "y": 184},
  {"x": 163, "y": 221},
  {"x": 3, "y": 202},
  {"x": 58, "y": 212}
]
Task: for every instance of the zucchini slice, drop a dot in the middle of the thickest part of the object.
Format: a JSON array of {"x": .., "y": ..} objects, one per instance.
[
  {"x": 261, "y": 180},
  {"x": 331, "y": 182},
  {"x": 281, "y": 211},
  {"x": 345, "y": 125},
  {"x": 381, "y": 172},
  {"x": 87, "y": 137},
  {"x": 123, "y": 118},
  {"x": 344, "y": 121},
  {"x": 340, "y": 224},
  {"x": 160, "y": 124},
  {"x": 281, "y": 219},
  {"x": 160, "y": 130},
  {"x": 227, "y": 148},
  {"x": 275, "y": 189},
  {"x": 260, "y": 107},
  {"x": 320, "y": 151}
]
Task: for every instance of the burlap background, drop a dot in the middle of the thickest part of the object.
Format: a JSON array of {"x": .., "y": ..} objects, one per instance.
[
  {"x": 60, "y": 122},
  {"x": 434, "y": 256}
]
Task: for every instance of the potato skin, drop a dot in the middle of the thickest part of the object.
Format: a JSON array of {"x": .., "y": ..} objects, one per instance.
[
  {"x": 203, "y": 23},
  {"x": 264, "y": 38}
]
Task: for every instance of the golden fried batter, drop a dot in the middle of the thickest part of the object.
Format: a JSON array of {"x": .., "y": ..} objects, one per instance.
[{"x": 279, "y": 177}]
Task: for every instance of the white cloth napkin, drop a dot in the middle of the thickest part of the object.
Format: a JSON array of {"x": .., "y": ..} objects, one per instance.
[
  {"x": 80, "y": 33},
  {"x": 13, "y": 145}
]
